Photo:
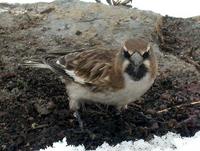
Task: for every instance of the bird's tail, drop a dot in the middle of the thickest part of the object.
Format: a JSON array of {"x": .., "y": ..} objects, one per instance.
[
  {"x": 45, "y": 63},
  {"x": 36, "y": 64}
]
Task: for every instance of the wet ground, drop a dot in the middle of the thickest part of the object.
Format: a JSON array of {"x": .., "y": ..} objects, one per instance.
[{"x": 34, "y": 107}]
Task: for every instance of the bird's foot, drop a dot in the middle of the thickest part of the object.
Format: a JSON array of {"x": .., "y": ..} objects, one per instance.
[
  {"x": 77, "y": 116},
  {"x": 120, "y": 109}
]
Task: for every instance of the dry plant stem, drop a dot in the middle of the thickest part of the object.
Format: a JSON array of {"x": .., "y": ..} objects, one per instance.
[
  {"x": 187, "y": 59},
  {"x": 40, "y": 126},
  {"x": 179, "y": 106}
]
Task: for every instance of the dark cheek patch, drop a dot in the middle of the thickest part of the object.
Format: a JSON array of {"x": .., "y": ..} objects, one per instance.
[
  {"x": 145, "y": 55},
  {"x": 127, "y": 55},
  {"x": 138, "y": 74}
]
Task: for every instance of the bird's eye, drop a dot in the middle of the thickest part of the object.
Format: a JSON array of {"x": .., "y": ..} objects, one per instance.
[
  {"x": 145, "y": 55},
  {"x": 126, "y": 54}
]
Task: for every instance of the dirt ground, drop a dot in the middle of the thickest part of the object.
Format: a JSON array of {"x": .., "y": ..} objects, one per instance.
[{"x": 34, "y": 107}]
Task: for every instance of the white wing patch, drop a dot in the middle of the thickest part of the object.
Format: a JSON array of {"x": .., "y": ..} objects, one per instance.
[
  {"x": 72, "y": 74},
  {"x": 75, "y": 77},
  {"x": 58, "y": 62}
]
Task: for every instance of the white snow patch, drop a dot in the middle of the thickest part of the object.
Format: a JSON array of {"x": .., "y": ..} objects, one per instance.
[
  {"x": 168, "y": 142},
  {"x": 62, "y": 146}
]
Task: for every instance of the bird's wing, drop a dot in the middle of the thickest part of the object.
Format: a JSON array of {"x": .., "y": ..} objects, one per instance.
[
  {"x": 92, "y": 68},
  {"x": 88, "y": 67}
]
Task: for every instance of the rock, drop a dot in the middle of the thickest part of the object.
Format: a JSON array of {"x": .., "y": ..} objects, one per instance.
[
  {"x": 165, "y": 96},
  {"x": 3, "y": 113},
  {"x": 43, "y": 108},
  {"x": 20, "y": 140},
  {"x": 151, "y": 111},
  {"x": 51, "y": 105},
  {"x": 154, "y": 126},
  {"x": 172, "y": 123},
  {"x": 90, "y": 21}
]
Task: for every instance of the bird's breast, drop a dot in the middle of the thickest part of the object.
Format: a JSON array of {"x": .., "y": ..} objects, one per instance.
[
  {"x": 132, "y": 91},
  {"x": 135, "y": 89}
]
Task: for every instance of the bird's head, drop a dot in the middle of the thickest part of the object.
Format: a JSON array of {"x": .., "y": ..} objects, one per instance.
[{"x": 139, "y": 58}]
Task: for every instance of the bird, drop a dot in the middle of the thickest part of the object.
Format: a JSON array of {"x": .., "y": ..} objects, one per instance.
[{"x": 114, "y": 77}]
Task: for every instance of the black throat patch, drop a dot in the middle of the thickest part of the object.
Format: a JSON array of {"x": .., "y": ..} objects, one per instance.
[{"x": 138, "y": 74}]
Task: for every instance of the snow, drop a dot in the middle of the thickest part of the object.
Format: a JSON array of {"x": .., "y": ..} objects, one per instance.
[
  {"x": 62, "y": 146},
  {"x": 168, "y": 142}
]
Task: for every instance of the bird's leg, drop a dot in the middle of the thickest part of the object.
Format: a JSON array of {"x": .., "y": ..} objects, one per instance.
[
  {"x": 121, "y": 108},
  {"x": 75, "y": 105},
  {"x": 125, "y": 107},
  {"x": 83, "y": 107},
  {"x": 78, "y": 117}
]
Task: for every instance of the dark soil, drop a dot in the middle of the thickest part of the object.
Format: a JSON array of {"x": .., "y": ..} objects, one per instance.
[
  {"x": 34, "y": 107},
  {"x": 181, "y": 38}
]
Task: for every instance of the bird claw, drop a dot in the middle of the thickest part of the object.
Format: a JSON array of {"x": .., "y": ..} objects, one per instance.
[{"x": 122, "y": 108}]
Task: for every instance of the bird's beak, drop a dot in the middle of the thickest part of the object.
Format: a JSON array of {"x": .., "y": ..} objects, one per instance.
[{"x": 136, "y": 59}]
